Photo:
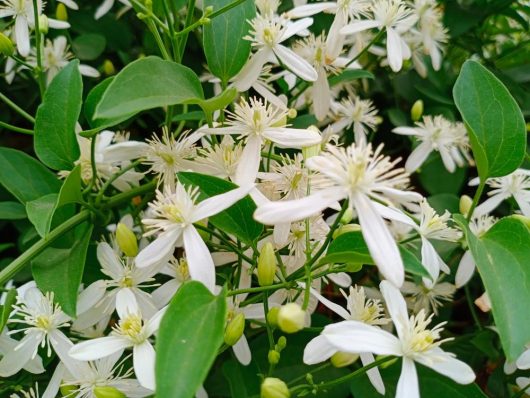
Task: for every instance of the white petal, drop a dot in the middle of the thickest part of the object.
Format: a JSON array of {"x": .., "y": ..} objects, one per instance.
[
  {"x": 218, "y": 203},
  {"x": 126, "y": 302},
  {"x": 154, "y": 323},
  {"x": 379, "y": 240},
  {"x": 358, "y": 26},
  {"x": 337, "y": 309},
  {"x": 104, "y": 8},
  {"x": 89, "y": 71},
  {"x": 163, "y": 294},
  {"x": 252, "y": 70},
  {"x": 144, "y": 364},
  {"x": 294, "y": 28},
  {"x": 447, "y": 160},
  {"x": 22, "y": 35},
  {"x": 523, "y": 362},
  {"x": 447, "y": 365},
  {"x": 341, "y": 279},
  {"x": 321, "y": 95},
  {"x": 109, "y": 260},
  {"x": 15, "y": 360},
  {"x": 242, "y": 351},
  {"x": 522, "y": 201},
  {"x": 465, "y": 270},
  {"x": 405, "y": 131},
  {"x": 430, "y": 259},
  {"x": 489, "y": 205},
  {"x": 397, "y": 307},
  {"x": 99, "y": 348},
  {"x": 159, "y": 250},
  {"x": 373, "y": 374},
  {"x": 281, "y": 233},
  {"x": 52, "y": 389},
  {"x": 295, "y": 63},
  {"x": 393, "y": 50},
  {"x": 56, "y": 24},
  {"x": 89, "y": 297},
  {"x": 248, "y": 166},
  {"x": 127, "y": 150},
  {"x": 292, "y": 138},
  {"x": 70, "y": 4},
  {"x": 318, "y": 350},
  {"x": 62, "y": 345},
  {"x": 307, "y": 10},
  {"x": 200, "y": 263},
  {"x": 408, "y": 381},
  {"x": 418, "y": 156}
]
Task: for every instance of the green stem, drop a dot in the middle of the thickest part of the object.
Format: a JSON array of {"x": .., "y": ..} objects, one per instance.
[
  {"x": 472, "y": 308},
  {"x": 39, "y": 70},
  {"x": 302, "y": 377},
  {"x": 521, "y": 392},
  {"x": 161, "y": 46},
  {"x": 260, "y": 289},
  {"x": 114, "y": 177},
  {"x": 16, "y": 129},
  {"x": 123, "y": 197},
  {"x": 226, "y": 8},
  {"x": 16, "y": 265},
  {"x": 189, "y": 17},
  {"x": 17, "y": 109},
  {"x": 476, "y": 199},
  {"x": 376, "y": 38}
]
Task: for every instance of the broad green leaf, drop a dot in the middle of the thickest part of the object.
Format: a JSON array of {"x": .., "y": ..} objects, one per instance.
[
  {"x": 237, "y": 219},
  {"x": 7, "y": 307},
  {"x": 350, "y": 247},
  {"x": 435, "y": 178},
  {"x": 241, "y": 379},
  {"x": 25, "y": 177},
  {"x": 89, "y": 46},
  {"x": 349, "y": 75},
  {"x": 148, "y": 83},
  {"x": 444, "y": 201},
  {"x": 60, "y": 269},
  {"x": 432, "y": 385},
  {"x": 501, "y": 256},
  {"x": 190, "y": 334},
  {"x": 40, "y": 212},
  {"x": 496, "y": 126},
  {"x": 12, "y": 211},
  {"x": 55, "y": 139},
  {"x": 225, "y": 49}
]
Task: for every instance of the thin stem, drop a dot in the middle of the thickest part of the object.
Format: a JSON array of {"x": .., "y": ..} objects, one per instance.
[
  {"x": 521, "y": 392},
  {"x": 472, "y": 308},
  {"x": 149, "y": 14},
  {"x": 15, "y": 128},
  {"x": 120, "y": 198},
  {"x": 20, "y": 61},
  {"x": 260, "y": 289},
  {"x": 376, "y": 38},
  {"x": 189, "y": 18},
  {"x": 114, "y": 178},
  {"x": 302, "y": 377},
  {"x": 39, "y": 70},
  {"x": 476, "y": 199},
  {"x": 226, "y": 8},
  {"x": 17, "y": 108},
  {"x": 161, "y": 46}
]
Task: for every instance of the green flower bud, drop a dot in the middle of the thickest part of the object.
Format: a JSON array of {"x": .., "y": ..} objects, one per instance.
[
  {"x": 282, "y": 343},
  {"x": 272, "y": 316},
  {"x": 108, "y": 67},
  {"x": 126, "y": 240},
  {"x": 6, "y": 45},
  {"x": 61, "y": 13},
  {"x": 347, "y": 216},
  {"x": 291, "y": 318},
  {"x": 208, "y": 10},
  {"x": 465, "y": 204},
  {"x": 345, "y": 229},
  {"x": 234, "y": 330},
  {"x": 266, "y": 265},
  {"x": 274, "y": 357},
  {"x": 292, "y": 113},
  {"x": 108, "y": 392},
  {"x": 313, "y": 150},
  {"x": 342, "y": 359},
  {"x": 274, "y": 388},
  {"x": 416, "y": 111},
  {"x": 43, "y": 24},
  {"x": 67, "y": 390}
]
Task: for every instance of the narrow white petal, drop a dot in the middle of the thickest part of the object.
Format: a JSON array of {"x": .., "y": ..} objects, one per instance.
[
  {"x": 341, "y": 279},
  {"x": 89, "y": 297},
  {"x": 56, "y": 24},
  {"x": 242, "y": 351},
  {"x": 418, "y": 156},
  {"x": 104, "y": 8},
  {"x": 62, "y": 345},
  {"x": 70, "y": 4},
  {"x": 109, "y": 260},
  {"x": 447, "y": 160},
  {"x": 489, "y": 205},
  {"x": 292, "y": 138},
  {"x": 321, "y": 95},
  {"x": 307, "y": 10},
  {"x": 89, "y": 71},
  {"x": 126, "y": 302},
  {"x": 55, "y": 382},
  {"x": 394, "y": 50},
  {"x": 200, "y": 263},
  {"x": 248, "y": 166},
  {"x": 373, "y": 374},
  {"x": 15, "y": 360},
  {"x": 127, "y": 150},
  {"x": 281, "y": 233},
  {"x": 408, "y": 381},
  {"x": 159, "y": 250},
  {"x": 429, "y": 258},
  {"x": 252, "y": 70},
  {"x": 447, "y": 365},
  {"x": 218, "y": 203},
  {"x": 523, "y": 362},
  {"x": 405, "y": 131},
  {"x": 522, "y": 201},
  {"x": 144, "y": 364},
  {"x": 294, "y": 28},
  {"x": 318, "y": 350},
  {"x": 358, "y": 26},
  {"x": 154, "y": 323},
  {"x": 295, "y": 63},
  {"x": 99, "y": 348},
  {"x": 335, "y": 40},
  {"x": 396, "y": 305},
  {"x": 22, "y": 35},
  {"x": 337, "y": 309},
  {"x": 163, "y": 294}
]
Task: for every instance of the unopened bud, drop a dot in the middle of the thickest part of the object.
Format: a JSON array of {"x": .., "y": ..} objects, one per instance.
[
  {"x": 465, "y": 204},
  {"x": 108, "y": 67},
  {"x": 61, "y": 13},
  {"x": 273, "y": 357},
  {"x": 292, "y": 113},
  {"x": 344, "y": 229},
  {"x": 291, "y": 318},
  {"x": 416, "y": 111},
  {"x": 6, "y": 45},
  {"x": 208, "y": 10},
  {"x": 313, "y": 150},
  {"x": 347, "y": 216},
  {"x": 126, "y": 240},
  {"x": 108, "y": 392},
  {"x": 234, "y": 330},
  {"x": 483, "y": 302},
  {"x": 67, "y": 390},
  {"x": 281, "y": 344},
  {"x": 43, "y": 24},
  {"x": 342, "y": 359},
  {"x": 272, "y": 316},
  {"x": 266, "y": 265},
  {"x": 274, "y": 388}
]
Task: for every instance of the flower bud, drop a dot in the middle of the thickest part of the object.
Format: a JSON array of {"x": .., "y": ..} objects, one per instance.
[
  {"x": 6, "y": 45},
  {"x": 465, "y": 204},
  {"x": 313, "y": 150},
  {"x": 208, "y": 10},
  {"x": 344, "y": 229},
  {"x": 291, "y": 318},
  {"x": 274, "y": 388},
  {"x": 417, "y": 110},
  {"x": 234, "y": 330},
  {"x": 342, "y": 359},
  {"x": 67, "y": 390},
  {"x": 108, "y": 67},
  {"x": 292, "y": 113},
  {"x": 272, "y": 316},
  {"x": 281, "y": 344},
  {"x": 126, "y": 240},
  {"x": 266, "y": 265},
  {"x": 483, "y": 302},
  {"x": 108, "y": 392},
  {"x": 273, "y": 357},
  {"x": 43, "y": 24},
  {"x": 347, "y": 216},
  {"x": 61, "y": 13}
]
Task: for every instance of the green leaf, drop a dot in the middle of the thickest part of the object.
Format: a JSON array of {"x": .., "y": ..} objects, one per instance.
[
  {"x": 89, "y": 46},
  {"x": 25, "y": 177},
  {"x": 7, "y": 307},
  {"x": 348, "y": 75},
  {"x": 40, "y": 212},
  {"x": 225, "y": 49},
  {"x": 71, "y": 189},
  {"x": 432, "y": 385},
  {"x": 148, "y": 83},
  {"x": 60, "y": 269},
  {"x": 237, "y": 219},
  {"x": 12, "y": 211},
  {"x": 412, "y": 264},
  {"x": 55, "y": 139},
  {"x": 435, "y": 178},
  {"x": 190, "y": 334},
  {"x": 501, "y": 256},
  {"x": 241, "y": 379},
  {"x": 496, "y": 126}
]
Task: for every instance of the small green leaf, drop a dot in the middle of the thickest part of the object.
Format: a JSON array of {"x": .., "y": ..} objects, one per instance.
[
  {"x": 190, "y": 334},
  {"x": 40, "y": 212},
  {"x": 59, "y": 269},
  {"x": 71, "y": 189},
  {"x": 12, "y": 211},
  {"x": 348, "y": 75},
  {"x": 89, "y": 46},
  {"x": 55, "y": 139},
  {"x": 496, "y": 125},
  {"x": 220, "y": 101},
  {"x": 501, "y": 256},
  {"x": 25, "y": 177},
  {"x": 148, "y": 83},
  {"x": 237, "y": 219},
  {"x": 7, "y": 307},
  {"x": 225, "y": 48},
  {"x": 412, "y": 264}
]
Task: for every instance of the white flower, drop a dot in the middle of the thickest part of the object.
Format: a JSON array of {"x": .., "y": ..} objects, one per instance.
[
  {"x": 42, "y": 319},
  {"x": 173, "y": 216},
  {"x": 364, "y": 177},
  {"x": 23, "y": 13},
  {"x": 7, "y": 344},
  {"x": 415, "y": 343},
  {"x": 396, "y": 18},
  {"x": 437, "y": 134},
  {"x": 219, "y": 160},
  {"x": 55, "y": 56},
  {"x": 106, "y": 5},
  {"x": 267, "y": 34},
  {"x": 133, "y": 330},
  {"x": 516, "y": 185},
  {"x": 257, "y": 122},
  {"x": 179, "y": 272},
  {"x": 428, "y": 296},
  {"x": 357, "y": 112}
]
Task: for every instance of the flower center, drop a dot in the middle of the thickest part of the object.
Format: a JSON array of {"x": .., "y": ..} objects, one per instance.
[
  {"x": 43, "y": 322},
  {"x": 131, "y": 327},
  {"x": 173, "y": 213}
]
